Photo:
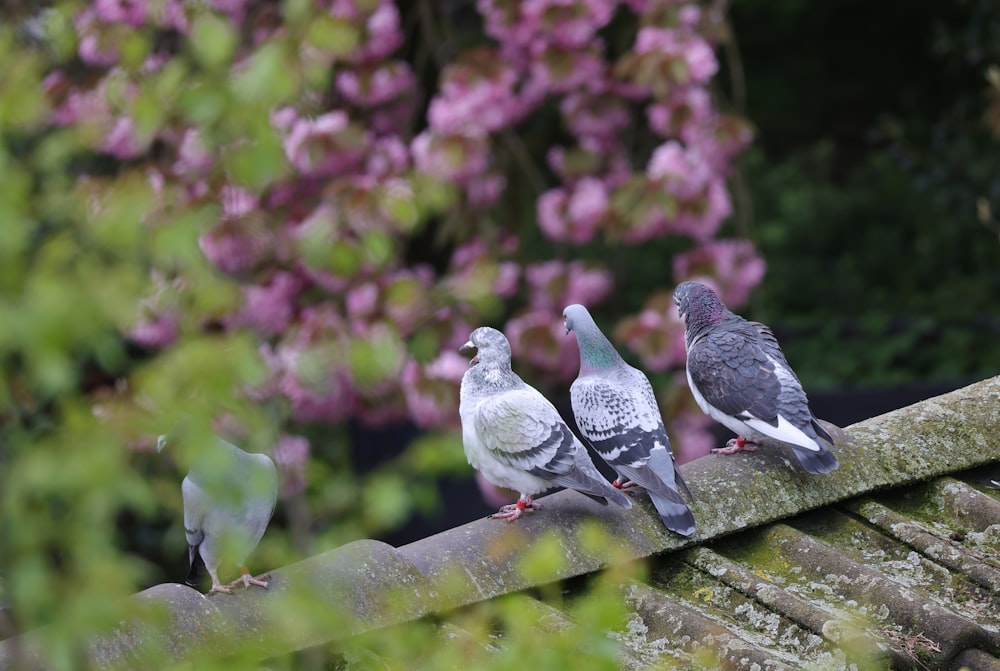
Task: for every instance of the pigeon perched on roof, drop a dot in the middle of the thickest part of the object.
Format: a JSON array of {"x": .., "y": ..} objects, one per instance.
[
  {"x": 515, "y": 437},
  {"x": 229, "y": 497},
  {"x": 616, "y": 410},
  {"x": 740, "y": 378}
]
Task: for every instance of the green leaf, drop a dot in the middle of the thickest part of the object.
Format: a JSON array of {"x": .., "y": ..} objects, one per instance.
[
  {"x": 269, "y": 78},
  {"x": 259, "y": 163},
  {"x": 213, "y": 41},
  {"x": 338, "y": 36}
]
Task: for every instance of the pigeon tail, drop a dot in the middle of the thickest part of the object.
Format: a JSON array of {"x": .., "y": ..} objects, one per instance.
[
  {"x": 669, "y": 503},
  {"x": 604, "y": 495},
  {"x": 674, "y": 513},
  {"x": 661, "y": 462},
  {"x": 820, "y": 462},
  {"x": 195, "y": 562}
]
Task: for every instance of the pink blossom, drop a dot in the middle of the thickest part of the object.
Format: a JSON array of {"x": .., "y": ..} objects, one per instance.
[
  {"x": 553, "y": 284},
  {"x": 121, "y": 140},
  {"x": 475, "y": 97},
  {"x": 235, "y": 9},
  {"x": 193, "y": 159},
  {"x": 131, "y": 12},
  {"x": 236, "y": 202},
  {"x": 388, "y": 156},
  {"x": 561, "y": 71},
  {"x": 290, "y": 455},
  {"x": 382, "y": 30},
  {"x": 538, "y": 338},
  {"x": 387, "y": 119},
  {"x": 734, "y": 266},
  {"x": 369, "y": 87},
  {"x": 405, "y": 297},
  {"x": 232, "y": 247},
  {"x": 574, "y": 215},
  {"x": 595, "y": 117},
  {"x": 175, "y": 17},
  {"x": 508, "y": 279},
  {"x": 95, "y": 46},
  {"x": 681, "y": 113},
  {"x": 327, "y": 145},
  {"x": 683, "y": 171},
  {"x": 691, "y": 435},
  {"x": 484, "y": 190},
  {"x": 270, "y": 308},
  {"x": 330, "y": 401},
  {"x": 431, "y": 391},
  {"x": 152, "y": 331},
  {"x": 310, "y": 367},
  {"x": 361, "y": 301},
  {"x": 689, "y": 16},
  {"x": 158, "y": 320},
  {"x": 452, "y": 158},
  {"x": 656, "y": 334}
]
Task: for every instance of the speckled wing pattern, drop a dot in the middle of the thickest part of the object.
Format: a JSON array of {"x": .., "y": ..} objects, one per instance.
[
  {"x": 621, "y": 430},
  {"x": 619, "y": 416},
  {"x": 521, "y": 429}
]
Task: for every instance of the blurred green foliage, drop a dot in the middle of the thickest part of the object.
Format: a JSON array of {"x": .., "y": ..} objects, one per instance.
[{"x": 872, "y": 184}]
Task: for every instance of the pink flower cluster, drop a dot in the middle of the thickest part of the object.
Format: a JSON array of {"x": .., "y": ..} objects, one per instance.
[{"x": 353, "y": 322}]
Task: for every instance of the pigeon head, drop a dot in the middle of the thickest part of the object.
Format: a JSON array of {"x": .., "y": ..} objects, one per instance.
[
  {"x": 486, "y": 345},
  {"x": 697, "y": 302},
  {"x": 576, "y": 315},
  {"x": 596, "y": 351}
]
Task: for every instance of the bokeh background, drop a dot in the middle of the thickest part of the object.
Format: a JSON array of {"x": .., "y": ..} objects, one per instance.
[{"x": 277, "y": 221}]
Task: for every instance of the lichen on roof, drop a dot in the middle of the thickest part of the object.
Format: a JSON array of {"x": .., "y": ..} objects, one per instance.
[{"x": 891, "y": 559}]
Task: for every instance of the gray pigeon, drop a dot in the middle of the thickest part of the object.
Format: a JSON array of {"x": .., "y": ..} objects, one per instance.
[
  {"x": 229, "y": 497},
  {"x": 515, "y": 437},
  {"x": 616, "y": 411},
  {"x": 740, "y": 378}
]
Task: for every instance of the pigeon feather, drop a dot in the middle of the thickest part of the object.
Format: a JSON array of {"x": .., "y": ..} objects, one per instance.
[
  {"x": 616, "y": 411},
  {"x": 514, "y": 436},
  {"x": 739, "y": 376},
  {"x": 229, "y": 497}
]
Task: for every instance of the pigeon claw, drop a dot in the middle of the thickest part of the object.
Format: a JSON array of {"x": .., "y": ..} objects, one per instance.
[
  {"x": 735, "y": 445},
  {"x": 220, "y": 589},
  {"x": 246, "y": 580},
  {"x": 512, "y": 511},
  {"x": 618, "y": 484}
]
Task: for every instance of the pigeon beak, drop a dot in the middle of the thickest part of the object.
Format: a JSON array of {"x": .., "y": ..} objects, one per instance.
[
  {"x": 467, "y": 349},
  {"x": 161, "y": 442}
]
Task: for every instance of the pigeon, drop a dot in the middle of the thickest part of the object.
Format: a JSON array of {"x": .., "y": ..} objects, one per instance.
[
  {"x": 616, "y": 411},
  {"x": 229, "y": 497},
  {"x": 739, "y": 377},
  {"x": 515, "y": 437}
]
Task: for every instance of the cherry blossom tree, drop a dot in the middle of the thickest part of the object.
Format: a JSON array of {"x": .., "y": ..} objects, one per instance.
[{"x": 373, "y": 185}]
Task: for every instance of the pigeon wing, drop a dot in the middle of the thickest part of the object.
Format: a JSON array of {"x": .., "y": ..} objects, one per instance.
[
  {"x": 621, "y": 430},
  {"x": 521, "y": 429},
  {"x": 792, "y": 401},
  {"x": 734, "y": 374}
]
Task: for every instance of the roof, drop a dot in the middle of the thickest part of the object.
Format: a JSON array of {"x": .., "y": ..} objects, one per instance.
[{"x": 900, "y": 547}]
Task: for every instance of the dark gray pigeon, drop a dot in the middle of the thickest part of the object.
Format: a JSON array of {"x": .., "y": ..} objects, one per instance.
[
  {"x": 229, "y": 497},
  {"x": 616, "y": 411},
  {"x": 740, "y": 378},
  {"x": 515, "y": 437}
]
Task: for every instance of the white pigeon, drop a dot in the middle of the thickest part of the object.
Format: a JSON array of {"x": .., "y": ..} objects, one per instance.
[
  {"x": 616, "y": 411},
  {"x": 515, "y": 437},
  {"x": 739, "y": 376},
  {"x": 229, "y": 497}
]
